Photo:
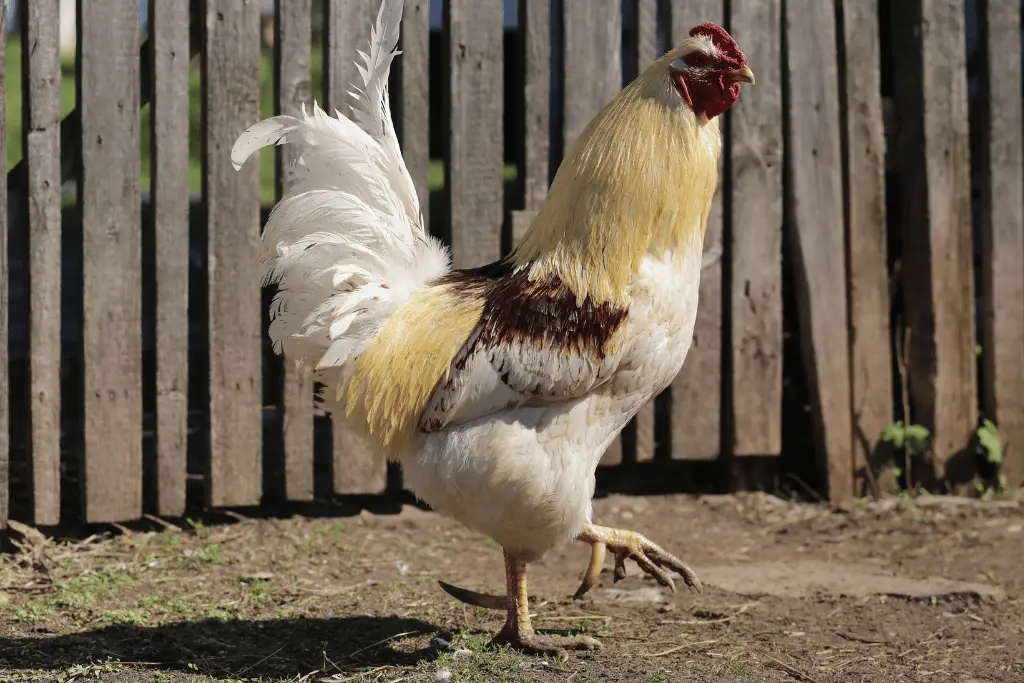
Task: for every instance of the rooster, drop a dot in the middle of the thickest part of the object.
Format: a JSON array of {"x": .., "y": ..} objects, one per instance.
[{"x": 499, "y": 388}]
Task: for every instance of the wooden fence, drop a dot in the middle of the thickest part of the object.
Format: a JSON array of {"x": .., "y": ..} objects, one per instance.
[{"x": 136, "y": 368}]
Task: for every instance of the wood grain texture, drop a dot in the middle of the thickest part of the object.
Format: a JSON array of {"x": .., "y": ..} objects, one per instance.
[
  {"x": 755, "y": 305},
  {"x": 108, "y": 98},
  {"x": 593, "y": 62},
  {"x": 41, "y": 62},
  {"x": 696, "y": 393},
  {"x": 292, "y": 52},
  {"x": 474, "y": 108},
  {"x": 1002, "y": 167},
  {"x": 930, "y": 83},
  {"x": 5, "y": 444},
  {"x": 534, "y": 164},
  {"x": 355, "y": 468},
  {"x": 169, "y": 111},
  {"x": 816, "y": 236},
  {"x": 412, "y": 106},
  {"x": 866, "y": 246},
  {"x": 592, "y": 48},
  {"x": 231, "y": 88}
]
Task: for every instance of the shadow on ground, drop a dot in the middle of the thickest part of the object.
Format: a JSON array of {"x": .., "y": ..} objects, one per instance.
[{"x": 274, "y": 648}]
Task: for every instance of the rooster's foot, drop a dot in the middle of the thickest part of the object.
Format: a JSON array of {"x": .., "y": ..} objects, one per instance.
[
  {"x": 649, "y": 556},
  {"x": 529, "y": 642}
]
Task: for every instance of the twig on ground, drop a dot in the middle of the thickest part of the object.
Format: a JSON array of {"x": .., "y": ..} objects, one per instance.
[
  {"x": 684, "y": 646},
  {"x": 792, "y": 670}
]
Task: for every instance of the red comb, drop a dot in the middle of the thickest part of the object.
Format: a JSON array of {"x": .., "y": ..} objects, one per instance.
[{"x": 718, "y": 35}]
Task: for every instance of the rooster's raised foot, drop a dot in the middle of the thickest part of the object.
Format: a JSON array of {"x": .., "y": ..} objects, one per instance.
[{"x": 650, "y": 557}]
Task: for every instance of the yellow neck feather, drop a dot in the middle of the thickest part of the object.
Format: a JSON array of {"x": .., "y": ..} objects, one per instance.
[{"x": 638, "y": 181}]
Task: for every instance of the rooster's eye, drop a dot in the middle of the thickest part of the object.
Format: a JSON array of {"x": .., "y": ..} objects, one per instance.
[{"x": 696, "y": 59}]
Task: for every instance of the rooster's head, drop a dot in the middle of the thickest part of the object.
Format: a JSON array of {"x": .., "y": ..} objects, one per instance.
[{"x": 705, "y": 71}]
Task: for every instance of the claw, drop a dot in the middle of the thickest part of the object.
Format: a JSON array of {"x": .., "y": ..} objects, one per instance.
[
  {"x": 620, "y": 567},
  {"x": 590, "y": 579},
  {"x": 649, "y": 556}
]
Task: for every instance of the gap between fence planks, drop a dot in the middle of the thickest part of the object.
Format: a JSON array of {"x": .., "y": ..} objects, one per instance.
[
  {"x": 1002, "y": 166},
  {"x": 533, "y": 50},
  {"x": 755, "y": 239},
  {"x": 231, "y": 88},
  {"x": 108, "y": 97},
  {"x": 42, "y": 153},
  {"x": 816, "y": 235},
  {"x": 866, "y": 244},
  {"x": 592, "y": 46},
  {"x": 292, "y": 55},
  {"x": 5, "y": 443},
  {"x": 169, "y": 33},
  {"x": 696, "y": 393},
  {"x": 354, "y": 466},
  {"x": 938, "y": 272}
]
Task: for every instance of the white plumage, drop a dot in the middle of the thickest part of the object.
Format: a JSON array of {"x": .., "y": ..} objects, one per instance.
[{"x": 346, "y": 244}]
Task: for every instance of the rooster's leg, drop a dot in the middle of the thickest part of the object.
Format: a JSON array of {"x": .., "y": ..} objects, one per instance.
[
  {"x": 518, "y": 631},
  {"x": 629, "y": 544}
]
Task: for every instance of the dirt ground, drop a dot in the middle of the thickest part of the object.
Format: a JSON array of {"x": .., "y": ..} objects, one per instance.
[{"x": 901, "y": 590}]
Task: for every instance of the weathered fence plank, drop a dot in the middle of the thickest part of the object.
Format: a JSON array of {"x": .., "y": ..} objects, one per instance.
[
  {"x": 169, "y": 111},
  {"x": 1003, "y": 233},
  {"x": 413, "y": 106},
  {"x": 231, "y": 87},
  {"x": 816, "y": 238},
  {"x": 42, "y": 151},
  {"x": 696, "y": 392},
  {"x": 108, "y": 97},
  {"x": 756, "y": 154},
  {"x": 592, "y": 49},
  {"x": 355, "y": 469},
  {"x": 868, "y": 274},
  {"x": 474, "y": 106},
  {"x": 292, "y": 53},
  {"x": 5, "y": 443},
  {"x": 938, "y": 279}
]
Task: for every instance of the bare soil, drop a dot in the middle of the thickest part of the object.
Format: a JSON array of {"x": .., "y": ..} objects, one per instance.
[{"x": 899, "y": 590}]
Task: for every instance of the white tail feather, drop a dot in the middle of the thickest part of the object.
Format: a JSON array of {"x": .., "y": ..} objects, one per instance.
[{"x": 345, "y": 244}]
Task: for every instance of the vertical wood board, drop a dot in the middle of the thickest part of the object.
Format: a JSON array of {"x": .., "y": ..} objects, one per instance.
[
  {"x": 292, "y": 54},
  {"x": 866, "y": 247},
  {"x": 474, "y": 107},
  {"x": 755, "y": 248},
  {"x": 169, "y": 111},
  {"x": 231, "y": 89},
  {"x": 108, "y": 98},
  {"x": 1003, "y": 234},
  {"x": 816, "y": 236}
]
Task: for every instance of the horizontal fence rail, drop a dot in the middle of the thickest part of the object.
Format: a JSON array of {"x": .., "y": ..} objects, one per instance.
[{"x": 861, "y": 317}]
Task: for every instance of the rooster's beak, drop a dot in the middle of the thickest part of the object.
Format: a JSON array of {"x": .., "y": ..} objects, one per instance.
[{"x": 741, "y": 75}]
